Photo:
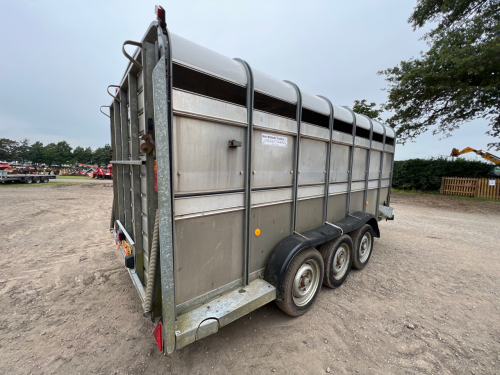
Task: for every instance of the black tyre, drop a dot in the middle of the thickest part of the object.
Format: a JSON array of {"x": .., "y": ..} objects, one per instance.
[
  {"x": 337, "y": 255},
  {"x": 28, "y": 180},
  {"x": 37, "y": 180},
  {"x": 362, "y": 240},
  {"x": 302, "y": 282},
  {"x": 45, "y": 180}
]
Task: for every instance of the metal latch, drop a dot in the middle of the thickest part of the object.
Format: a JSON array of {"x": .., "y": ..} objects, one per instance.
[{"x": 234, "y": 143}]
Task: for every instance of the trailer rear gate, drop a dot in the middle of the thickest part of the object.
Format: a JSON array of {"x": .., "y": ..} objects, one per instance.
[{"x": 236, "y": 190}]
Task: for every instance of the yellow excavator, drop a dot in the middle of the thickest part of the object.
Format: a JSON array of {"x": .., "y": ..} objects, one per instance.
[{"x": 485, "y": 155}]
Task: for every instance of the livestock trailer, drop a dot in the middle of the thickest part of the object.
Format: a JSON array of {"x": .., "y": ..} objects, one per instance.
[{"x": 233, "y": 188}]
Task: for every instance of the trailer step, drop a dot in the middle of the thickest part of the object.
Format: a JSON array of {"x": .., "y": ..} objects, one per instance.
[{"x": 207, "y": 319}]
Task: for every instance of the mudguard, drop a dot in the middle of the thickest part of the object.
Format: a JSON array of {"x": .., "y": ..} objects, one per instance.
[{"x": 288, "y": 247}]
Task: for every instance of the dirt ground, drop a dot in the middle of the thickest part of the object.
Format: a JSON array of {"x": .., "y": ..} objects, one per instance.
[{"x": 428, "y": 302}]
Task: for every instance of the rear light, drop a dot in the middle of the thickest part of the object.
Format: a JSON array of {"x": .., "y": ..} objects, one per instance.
[
  {"x": 120, "y": 236},
  {"x": 157, "y": 336},
  {"x": 160, "y": 12}
]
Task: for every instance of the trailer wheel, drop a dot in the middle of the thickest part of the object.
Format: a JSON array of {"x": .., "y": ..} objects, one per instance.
[
  {"x": 302, "y": 282},
  {"x": 337, "y": 255},
  {"x": 45, "y": 180},
  {"x": 37, "y": 180},
  {"x": 28, "y": 180},
  {"x": 362, "y": 240}
]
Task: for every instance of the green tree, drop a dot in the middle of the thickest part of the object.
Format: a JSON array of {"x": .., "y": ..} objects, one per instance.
[
  {"x": 8, "y": 149},
  {"x": 458, "y": 79},
  {"x": 23, "y": 149},
  {"x": 78, "y": 155},
  {"x": 88, "y": 156},
  {"x": 64, "y": 154},
  {"x": 50, "y": 154},
  {"x": 83, "y": 155},
  {"x": 35, "y": 153},
  {"x": 101, "y": 155},
  {"x": 363, "y": 108}
]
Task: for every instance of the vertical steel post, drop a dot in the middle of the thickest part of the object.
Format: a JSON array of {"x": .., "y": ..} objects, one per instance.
[
  {"x": 117, "y": 169},
  {"x": 135, "y": 178},
  {"x": 351, "y": 161},
  {"x": 380, "y": 171},
  {"x": 114, "y": 211},
  {"x": 125, "y": 156},
  {"x": 248, "y": 170},
  {"x": 392, "y": 169},
  {"x": 163, "y": 117},
  {"x": 368, "y": 157},
  {"x": 148, "y": 62},
  {"x": 328, "y": 159},
  {"x": 296, "y": 156}
]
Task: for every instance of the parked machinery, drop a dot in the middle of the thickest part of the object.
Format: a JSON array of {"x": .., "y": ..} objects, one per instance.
[{"x": 485, "y": 155}]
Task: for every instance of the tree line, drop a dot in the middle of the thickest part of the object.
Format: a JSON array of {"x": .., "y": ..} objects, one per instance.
[{"x": 60, "y": 153}]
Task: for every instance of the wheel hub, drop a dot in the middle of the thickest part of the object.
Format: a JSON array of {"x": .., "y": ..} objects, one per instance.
[
  {"x": 340, "y": 262},
  {"x": 305, "y": 283},
  {"x": 365, "y": 247}
]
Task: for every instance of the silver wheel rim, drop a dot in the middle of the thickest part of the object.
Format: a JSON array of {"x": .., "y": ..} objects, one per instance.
[
  {"x": 306, "y": 282},
  {"x": 340, "y": 261},
  {"x": 365, "y": 247}
]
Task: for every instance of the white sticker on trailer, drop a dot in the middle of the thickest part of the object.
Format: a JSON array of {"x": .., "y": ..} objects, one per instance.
[
  {"x": 492, "y": 182},
  {"x": 274, "y": 140}
]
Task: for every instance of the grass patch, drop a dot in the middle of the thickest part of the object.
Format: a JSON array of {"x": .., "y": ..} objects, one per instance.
[
  {"x": 436, "y": 193},
  {"x": 82, "y": 177}
]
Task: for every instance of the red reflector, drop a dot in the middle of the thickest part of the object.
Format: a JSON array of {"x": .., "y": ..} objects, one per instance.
[
  {"x": 159, "y": 12},
  {"x": 157, "y": 335}
]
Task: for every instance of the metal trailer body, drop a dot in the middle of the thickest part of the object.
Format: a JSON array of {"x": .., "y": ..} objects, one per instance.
[
  {"x": 245, "y": 169},
  {"x": 25, "y": 178}
]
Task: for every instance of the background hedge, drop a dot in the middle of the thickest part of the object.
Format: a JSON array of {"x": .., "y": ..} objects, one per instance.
[{"x": 426, "y": 174}]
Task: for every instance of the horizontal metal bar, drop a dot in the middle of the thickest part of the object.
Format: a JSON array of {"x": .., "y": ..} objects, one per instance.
[
  {"x": 129, "y": 239},
  {"x": 218, "y": 192},
  {"x": 128, "y": 162}
]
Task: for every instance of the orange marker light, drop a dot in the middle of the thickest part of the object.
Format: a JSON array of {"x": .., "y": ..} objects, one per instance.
[
  {"x": 257, "y": 232},
  {"x": 367, "y": 203}
]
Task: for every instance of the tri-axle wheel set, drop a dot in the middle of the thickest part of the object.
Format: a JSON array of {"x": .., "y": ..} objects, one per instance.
[{"x": 329, "y": 265}]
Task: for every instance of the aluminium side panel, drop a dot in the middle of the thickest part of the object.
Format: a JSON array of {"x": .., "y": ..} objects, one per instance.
[
  {"x": 209, "y": 198},
  {"x": 312, "y": 161},
  {"x": 359, "y": 164},
  {"x": 272, "y": 159},
  {"x": 309, "y": 214},
  {"x": 336, "y": 207}
]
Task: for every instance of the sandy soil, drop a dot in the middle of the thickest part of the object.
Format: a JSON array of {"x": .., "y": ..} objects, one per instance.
[{"x": 428, "y": 302}]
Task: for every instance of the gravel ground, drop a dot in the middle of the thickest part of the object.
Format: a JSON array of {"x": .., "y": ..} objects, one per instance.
[{"x": 428, "y": 302}]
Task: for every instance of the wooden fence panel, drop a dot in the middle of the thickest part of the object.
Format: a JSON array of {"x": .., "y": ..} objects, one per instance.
[
  {"x": 471, "y": 187},
  {"x": 459, "y": 186},
  {"x": 489, "y": 188}
]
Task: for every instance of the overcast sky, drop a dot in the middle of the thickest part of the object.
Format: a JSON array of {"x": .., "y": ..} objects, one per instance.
[{"x": 58, "y": 57}]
